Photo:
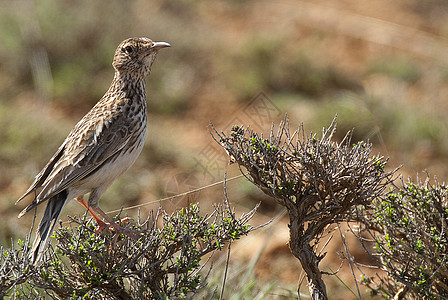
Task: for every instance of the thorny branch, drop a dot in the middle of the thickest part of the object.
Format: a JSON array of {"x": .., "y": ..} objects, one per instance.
[{"x": 320, "y": 182}]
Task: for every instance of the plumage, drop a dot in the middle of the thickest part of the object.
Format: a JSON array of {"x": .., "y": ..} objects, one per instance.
[{"x": 102, "y": 145}]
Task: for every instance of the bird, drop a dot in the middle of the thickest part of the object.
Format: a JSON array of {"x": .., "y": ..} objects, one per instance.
[{"x": 101, "y": 146}]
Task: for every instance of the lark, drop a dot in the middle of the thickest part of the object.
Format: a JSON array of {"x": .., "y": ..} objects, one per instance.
[{"x": 101, "y": 146}]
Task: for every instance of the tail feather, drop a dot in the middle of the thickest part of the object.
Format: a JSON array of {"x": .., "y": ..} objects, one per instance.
[
  {"x": 27, "y": 209},
  {"x": 46, "y": 226}
]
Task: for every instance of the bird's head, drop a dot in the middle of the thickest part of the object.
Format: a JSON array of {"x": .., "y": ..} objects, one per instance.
[{"x": 136, "y": 55}]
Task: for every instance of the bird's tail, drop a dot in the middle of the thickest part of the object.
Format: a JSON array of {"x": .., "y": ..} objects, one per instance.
[{"x": 46, "y": 225}]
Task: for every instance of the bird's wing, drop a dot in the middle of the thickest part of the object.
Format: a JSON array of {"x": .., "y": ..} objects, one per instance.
[
  {"x": 43, "y": 175},
  {"x": 91, "y": 149},
  {"x": 86, "y": 148}
]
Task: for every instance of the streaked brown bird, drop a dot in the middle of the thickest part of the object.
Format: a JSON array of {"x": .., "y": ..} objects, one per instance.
[{"x": 103, "y": 145}]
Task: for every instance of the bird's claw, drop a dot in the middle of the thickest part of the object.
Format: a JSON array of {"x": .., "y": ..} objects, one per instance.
[{"x": 115, "y": 227}]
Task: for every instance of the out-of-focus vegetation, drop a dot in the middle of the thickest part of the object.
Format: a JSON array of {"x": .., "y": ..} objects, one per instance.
[{"x": 382, "y": 67}]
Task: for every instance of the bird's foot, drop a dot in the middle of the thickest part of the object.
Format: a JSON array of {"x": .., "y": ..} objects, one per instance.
[
  {"x": 118, "y": 228},
  {"x": 111, "y": 225},
  {"x": 103, "y": 225}
]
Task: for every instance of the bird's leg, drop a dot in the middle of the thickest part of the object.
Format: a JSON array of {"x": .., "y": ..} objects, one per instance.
[
  {"x": 94, "y": 210},
  {"x": 116, "y": 226},
  {"x": 101, "y": 224}
]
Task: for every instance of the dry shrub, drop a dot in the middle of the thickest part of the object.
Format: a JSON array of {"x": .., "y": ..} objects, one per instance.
[{"x": 319, "y": 181}]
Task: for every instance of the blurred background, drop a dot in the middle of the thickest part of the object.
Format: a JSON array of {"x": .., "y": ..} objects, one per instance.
[{"x": 381, "y": 66}]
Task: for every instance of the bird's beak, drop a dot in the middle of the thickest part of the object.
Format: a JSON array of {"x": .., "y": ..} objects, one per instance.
[{"x": 159, "y": 45}]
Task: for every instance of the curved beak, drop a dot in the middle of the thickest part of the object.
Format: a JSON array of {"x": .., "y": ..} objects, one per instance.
[{"x": 159, "y": 45}]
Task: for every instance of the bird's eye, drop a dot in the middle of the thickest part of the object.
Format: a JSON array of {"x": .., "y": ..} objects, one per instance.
[{"x": 128, "y": 49}]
